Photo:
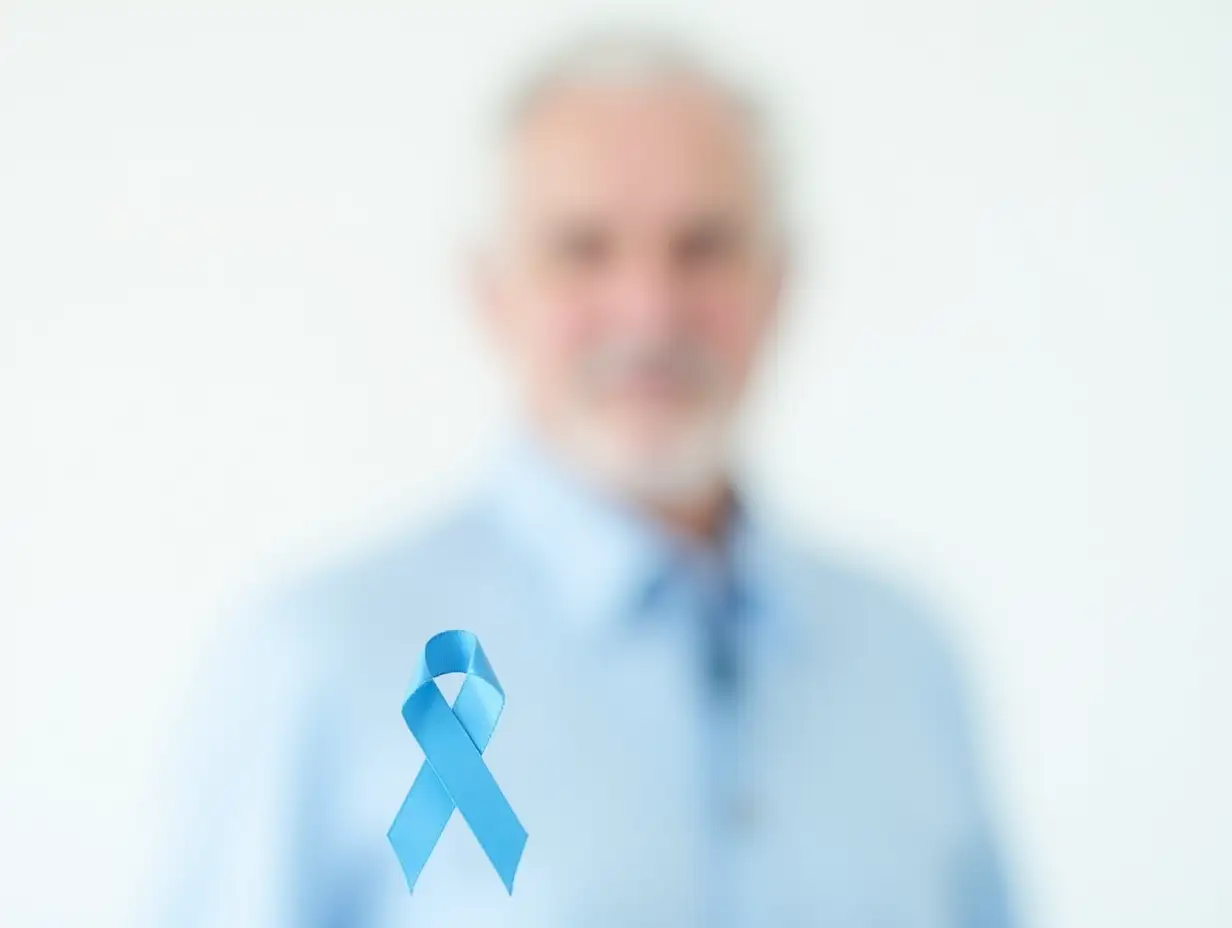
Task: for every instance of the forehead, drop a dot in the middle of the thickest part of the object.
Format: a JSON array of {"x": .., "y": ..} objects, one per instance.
[{"x": 650, "y": 151}]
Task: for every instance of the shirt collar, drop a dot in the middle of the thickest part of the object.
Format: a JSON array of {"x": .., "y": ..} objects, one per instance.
[{"x": 604, "y": 557}]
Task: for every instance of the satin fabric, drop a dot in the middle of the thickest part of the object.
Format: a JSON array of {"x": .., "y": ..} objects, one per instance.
[{"x": 454, "y": 774}]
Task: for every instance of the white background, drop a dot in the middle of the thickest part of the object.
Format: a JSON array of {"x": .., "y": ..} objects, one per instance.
[{"x": 232, "y": 341}]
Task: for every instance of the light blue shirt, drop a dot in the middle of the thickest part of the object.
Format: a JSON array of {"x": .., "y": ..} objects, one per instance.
[{"x": 838, "y": 786}]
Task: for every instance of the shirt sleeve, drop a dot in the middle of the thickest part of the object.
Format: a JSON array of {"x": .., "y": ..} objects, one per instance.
[
  {"x": 981, "y": 887},
  {"x": 982, "y": 893},
  {"x": 243, "y": 833}
]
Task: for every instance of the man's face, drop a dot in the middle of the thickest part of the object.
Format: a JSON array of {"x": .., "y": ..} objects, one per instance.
[{"x": 636, "y": 279}]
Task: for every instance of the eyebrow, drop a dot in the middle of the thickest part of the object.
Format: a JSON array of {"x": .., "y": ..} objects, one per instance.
[{"x": 572, "y": 220}]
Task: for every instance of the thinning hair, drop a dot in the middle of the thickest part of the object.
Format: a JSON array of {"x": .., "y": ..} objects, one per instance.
[{"x": 625, "y": 56}]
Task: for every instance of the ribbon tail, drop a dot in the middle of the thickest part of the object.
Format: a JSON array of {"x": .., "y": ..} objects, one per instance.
[
  {"x": 420, "y": 823},
  {"x": 461, "y": 770},
  {"x": 499, "y": 833}
]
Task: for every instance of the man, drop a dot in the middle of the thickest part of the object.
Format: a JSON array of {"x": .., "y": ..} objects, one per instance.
[{"x": 705, "y": 726}]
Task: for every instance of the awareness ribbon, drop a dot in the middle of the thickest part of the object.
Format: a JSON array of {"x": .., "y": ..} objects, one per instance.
[{"x": 454, "y": 773}]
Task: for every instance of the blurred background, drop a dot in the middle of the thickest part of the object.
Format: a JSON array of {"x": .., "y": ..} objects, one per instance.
[{"x": 233, "y": 341}]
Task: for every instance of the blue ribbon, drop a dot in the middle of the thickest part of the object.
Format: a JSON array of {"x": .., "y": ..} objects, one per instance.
[{"x": 454, "y": 773}]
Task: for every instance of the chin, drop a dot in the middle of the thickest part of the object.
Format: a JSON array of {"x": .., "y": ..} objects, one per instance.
[{"x": 655, "y": 463}]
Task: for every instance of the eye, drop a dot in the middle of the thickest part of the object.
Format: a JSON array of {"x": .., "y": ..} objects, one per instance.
[
  {"x": 706, "y": 243},
  {"x": 580, "y": 246}
]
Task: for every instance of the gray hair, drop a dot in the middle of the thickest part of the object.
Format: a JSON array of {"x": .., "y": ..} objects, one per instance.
[{"x": 625, "y": 56}]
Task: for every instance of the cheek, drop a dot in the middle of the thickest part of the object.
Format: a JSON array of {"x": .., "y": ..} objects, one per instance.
[
  {"x": 552, "y": 337},
  {"x": 732, "y": 329}
]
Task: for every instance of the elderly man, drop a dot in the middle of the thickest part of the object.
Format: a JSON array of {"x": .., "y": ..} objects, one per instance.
[{"x": 705, "y": 725}]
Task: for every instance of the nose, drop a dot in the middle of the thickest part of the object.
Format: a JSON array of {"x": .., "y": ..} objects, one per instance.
[{"x": 644, "y": 300}]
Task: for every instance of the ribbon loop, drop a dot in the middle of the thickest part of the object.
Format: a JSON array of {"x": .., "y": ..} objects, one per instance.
[{"x": 454, "y": 774}]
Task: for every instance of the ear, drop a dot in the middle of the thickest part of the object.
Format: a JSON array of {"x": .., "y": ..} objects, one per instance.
[{"x": 779, "y": 268}]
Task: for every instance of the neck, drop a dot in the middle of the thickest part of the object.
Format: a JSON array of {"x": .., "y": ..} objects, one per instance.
[
  {"x": 699, "y": 517},
  {"x": 701, "y": 520}
]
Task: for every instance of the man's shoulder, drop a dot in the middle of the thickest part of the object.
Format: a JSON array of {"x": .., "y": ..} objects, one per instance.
[
  {"x": 860, "y": 605},
  {"x": 383, "y": 586},
  {"x": 883, "y": 636}
]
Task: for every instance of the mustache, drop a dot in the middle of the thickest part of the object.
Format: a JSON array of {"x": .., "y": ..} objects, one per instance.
[{"x": 679, "y": 364}]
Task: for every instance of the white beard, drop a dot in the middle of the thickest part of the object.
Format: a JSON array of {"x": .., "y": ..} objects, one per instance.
[
  {"x": 678, "y": 463},
  {"x": 681, "y": 470}
]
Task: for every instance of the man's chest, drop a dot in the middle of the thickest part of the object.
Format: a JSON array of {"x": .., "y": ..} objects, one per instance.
[{"x": 811, "y": 805}]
